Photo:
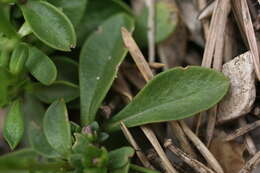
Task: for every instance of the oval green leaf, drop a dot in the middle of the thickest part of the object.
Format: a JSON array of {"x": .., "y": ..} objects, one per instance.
[
  {"x": 14, "y": 125},
  {"x": 39, "y": 142},
  {"x": 18, "y": 59},
  {"x": 49, "y": 24},
  {"x": 59, "y": 89},
  {"x": 56, "y": 127},
  {"x": 73, "y": 9},
  {"x": 100, "y": 57},
  {"x": 172, "y": 95},
  {"x": 41, "y": 66}
]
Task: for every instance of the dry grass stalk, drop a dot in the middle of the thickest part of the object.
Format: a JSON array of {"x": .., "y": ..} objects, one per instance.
[
  {"x": 242, "y": 130},
  {"x": 205, "y": 23},
  {"x": 151, "y": 29},
  {"x": 196, "y": 165},
  {"x": 202, "y": 148},
  {"x": 148, "y": 75},
  {"x": 207, "y": 11},
  {"x": 250, "y": 34},
  {"x": 184, "y": 143},
  {"x": 134, "y": 144},
  {"x": 251, "y": 148},
  {"x": 156, "y": 65},
  {"x": 251, "y": 164}
]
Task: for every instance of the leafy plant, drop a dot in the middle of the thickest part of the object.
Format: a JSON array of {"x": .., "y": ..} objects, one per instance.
[{"x": 36, "y": 70}]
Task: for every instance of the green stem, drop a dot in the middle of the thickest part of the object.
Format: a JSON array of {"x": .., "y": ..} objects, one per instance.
[{"x": 142, "y": 169}]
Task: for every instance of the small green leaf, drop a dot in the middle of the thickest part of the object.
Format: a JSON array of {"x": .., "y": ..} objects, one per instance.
[
  {"x": 50, "y": 25},
  {"x": 5, "y": 80},
  {"x": 124, "y": 169},
  {"x": 14, "y": 125},
  {"x": 41, "y": 66},
  {"x": 67, "y": 69},
  {"x": 172, "y": 95},
  {"x": 56, "y": 127},
  {"x": 18, "y": 59},
  {"x": 100, "y": 58},
  {"x": 39, "y": 142},
  {"x": 59, "y": 89},
  {"x": 166, "y": 21},
  {"x": 73, "y": 9},
  {"x": 93, "y": 18},
  {"x": 120, "y": 157}
]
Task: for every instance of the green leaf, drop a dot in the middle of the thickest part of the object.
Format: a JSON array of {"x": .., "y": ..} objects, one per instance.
[
  {"x": 50, "y": 25},
  {"x": 172, "y": 95},
  {"x": 41, "y": 66},
  {"x": 166, "y": 21},
  {"x": 14, "y": 125},
  {"x": 18, "y": 59},
  {"x": 73, "y": 9},
  {"x": 67, "y": 69},
  {"x": 56, "y": 127},
  {"x": 124, "y": 169},
  {"x": 120, "y": 157},
  {"x": 39, "y": 142},
  {"x": 59, "y": 89},
  {"x": 96, "y": 13},
  {"x": 100, "y": 58}
]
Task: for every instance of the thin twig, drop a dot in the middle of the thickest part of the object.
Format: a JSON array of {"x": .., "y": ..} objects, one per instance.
[
  {"x": 134, "y": 144},
  {"x": 151, "y": 29},
  {"x": 145, "y": 70},
  {"x": 202, "y": 148},
  {"x": 195, "y": 164},
  {"x": 207, "y": 10},
  {"x": 250, "y": 34},
  {"x": 242, "y": 130},
  {"x": 248, "y": 140},
  {"x": 251, "y": 164}
]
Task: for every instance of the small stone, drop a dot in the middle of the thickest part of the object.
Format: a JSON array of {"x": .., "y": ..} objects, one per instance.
[{"x": 242, "y": 92}]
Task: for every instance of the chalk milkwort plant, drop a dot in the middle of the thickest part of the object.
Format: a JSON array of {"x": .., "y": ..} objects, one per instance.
[{"x": 38, "y": 72}]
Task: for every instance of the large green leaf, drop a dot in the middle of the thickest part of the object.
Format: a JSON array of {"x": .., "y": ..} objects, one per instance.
[
  {"x": 96, "y": 13},
  {"x": 49, "y": 24},
  {"x": 39, "y": 142},
  {"x": 59, "y": 89},
  {"x": 41, "y": 66},
  {"x": 175, "y": 94},
  {"x": 73, "y": 9},
  {"x": 100, "y": 57},
  {"x": 14, "y": 125},
  {"x": 56, "y": 127},
  {"x": 166, "y": 21}
]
